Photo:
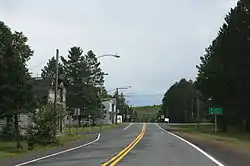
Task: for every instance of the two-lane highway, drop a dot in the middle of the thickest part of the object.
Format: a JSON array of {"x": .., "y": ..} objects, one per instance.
[
  {"x": 110, "y": 143},
  {"x": 158, "y": 148},
  {"x": 139, "y": 144}
]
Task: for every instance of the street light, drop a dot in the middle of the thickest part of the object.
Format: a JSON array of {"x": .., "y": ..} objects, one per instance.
[
  {"x": 113, "y": 55},
  {"x": 117, "y": 93},
  {"x": 104, "y": 74},
  {"x": 124, "y": 87},
  {"x": 101, "y": 56},
  {"x": 56, "y": 82}
]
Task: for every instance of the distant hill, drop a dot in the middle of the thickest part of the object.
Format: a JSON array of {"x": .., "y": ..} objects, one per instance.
[{"x": 147, "y": 113}]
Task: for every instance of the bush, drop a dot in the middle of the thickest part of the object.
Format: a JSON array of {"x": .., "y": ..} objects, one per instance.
[
  {"x": 41, "y": 131},
  {"x": 8, "y": 131}
]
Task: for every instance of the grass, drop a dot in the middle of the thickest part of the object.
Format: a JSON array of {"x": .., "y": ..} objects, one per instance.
[
  {"x": 146, "y": 113},
  {"x": 8, "y": 148},
  {"x": 92, "y": 128},
  {"x": 238, "y": 141}
]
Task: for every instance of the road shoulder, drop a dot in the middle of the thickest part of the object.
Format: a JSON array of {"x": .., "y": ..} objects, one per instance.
[
  {"x": 226, "y": 155},
  {"x": 89, "y": 136}
]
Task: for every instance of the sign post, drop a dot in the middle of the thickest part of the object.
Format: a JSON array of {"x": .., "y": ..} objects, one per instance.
[
  {"x": 77, "y": 113},
  {"x": 215, "y": 112},
  {"x": 128, "y": 118},
  {"x": 215, "y": 126},
  {"x": 162, "y": 118}
]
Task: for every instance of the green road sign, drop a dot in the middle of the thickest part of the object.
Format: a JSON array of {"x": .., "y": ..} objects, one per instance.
[{"x": 215, "y": 111}]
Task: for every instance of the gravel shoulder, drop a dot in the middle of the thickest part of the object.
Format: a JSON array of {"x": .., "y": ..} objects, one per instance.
[{"x": 231, "y": 152}]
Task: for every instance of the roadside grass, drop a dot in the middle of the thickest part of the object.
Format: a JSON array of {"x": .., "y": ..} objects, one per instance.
[
  {"x": 233, "y": 139},
  {"x": 92, "y": 128},
  {"x": 8, "y": 148}
]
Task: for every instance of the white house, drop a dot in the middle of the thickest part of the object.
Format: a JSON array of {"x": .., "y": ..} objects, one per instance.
[
  {"x": 109, "y": 111},
  {"x": 44, "y": 91}
]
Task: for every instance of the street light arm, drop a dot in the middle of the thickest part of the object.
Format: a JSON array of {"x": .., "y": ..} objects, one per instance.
[
  {"x": 124, "y": 87},
  {"x": 113, "y": 55}
]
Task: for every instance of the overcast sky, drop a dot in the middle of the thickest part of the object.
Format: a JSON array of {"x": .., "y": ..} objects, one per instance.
[{"x": 159, "y": 41}]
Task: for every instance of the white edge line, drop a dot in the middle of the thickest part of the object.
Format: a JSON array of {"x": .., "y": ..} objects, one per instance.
[
  {"x": 64, "y": 151},
  {"x": 194, "y": 146},
  {"x": 128, "y": 126}
]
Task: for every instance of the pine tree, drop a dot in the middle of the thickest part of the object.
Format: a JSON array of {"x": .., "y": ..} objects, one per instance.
[
  {"x": 84, "y": 78},
  {"x": 5, "y": 44},
  {"x": 96, "y": 75},
  {"x": 15, "y": 87},
  {"x": 75, "y": 70},
  {"x": 49, "y": 71},
  {"x": 95, "y": 80},
  {"x": 177, "y": 102},
  {"x": 223, "y": 72}
]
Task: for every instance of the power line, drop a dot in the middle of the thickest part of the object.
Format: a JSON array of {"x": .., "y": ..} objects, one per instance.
[
  {"x": 142, "y": 95},
  {"x": 39, "y": 64}
]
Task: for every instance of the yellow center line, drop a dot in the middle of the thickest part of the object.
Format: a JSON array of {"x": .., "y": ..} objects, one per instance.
[
  {"x": 126, "y": 150},
  {"x": 125, "y": 153}
]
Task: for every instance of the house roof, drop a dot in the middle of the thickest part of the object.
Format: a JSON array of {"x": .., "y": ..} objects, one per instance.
[
  {"x": 109, "y": 101},
  {"x": 41, "y": 86}
]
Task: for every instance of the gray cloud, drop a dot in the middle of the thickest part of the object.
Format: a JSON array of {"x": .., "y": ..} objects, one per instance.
[{"x": 160, "y": 41}]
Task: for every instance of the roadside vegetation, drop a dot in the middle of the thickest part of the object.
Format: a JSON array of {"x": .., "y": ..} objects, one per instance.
[
  {"x": 82, "y": 130},
  {"x": 222, "y": 81},
  {"x": 30, "y": 119},
  {"x": 147, "y": 113},
  {"x": 8, "y": 148},
  {"x": 233, "y": 139}
]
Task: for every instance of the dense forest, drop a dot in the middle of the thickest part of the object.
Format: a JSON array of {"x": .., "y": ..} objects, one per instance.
[
  {"x": 147, "y": 113},
  {"x": 223, "y": 78}
]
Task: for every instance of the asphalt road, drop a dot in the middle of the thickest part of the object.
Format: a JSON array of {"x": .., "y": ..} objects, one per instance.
[
  {"x": 156, "y": 148},
  {"x": 110, "y": 143}
]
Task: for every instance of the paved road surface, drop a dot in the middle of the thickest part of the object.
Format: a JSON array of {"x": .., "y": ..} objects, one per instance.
[
  {"x": 156, "y": 148},
  {"x": 159, "y": 148}
]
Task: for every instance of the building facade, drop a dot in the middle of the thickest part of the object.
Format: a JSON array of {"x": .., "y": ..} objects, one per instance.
[
  {"x": 109, "y": 111},
  {"x": 44, "y": 92}
]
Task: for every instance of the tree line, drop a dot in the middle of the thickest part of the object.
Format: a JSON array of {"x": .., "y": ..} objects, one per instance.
[
  {"x": 223, "y": 79},
  {"x": 183, "y": 103},
  {"x": 147, "y": 113},
  {"x": 81, "y": 73},
  {"x": 15, "y": 89}
]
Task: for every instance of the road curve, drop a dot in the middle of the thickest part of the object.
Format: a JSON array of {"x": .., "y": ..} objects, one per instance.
[
  {"x": 155, "y": 148},
  {"x": 110, "y": 143}
]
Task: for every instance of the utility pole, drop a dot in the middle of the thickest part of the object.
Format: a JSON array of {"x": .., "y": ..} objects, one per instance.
[
  {"x": 167, "y": 113},
  {"x": 116, "y": 108},
  {"x": 55, "y": 94},
  {"x": 215, "y": 123},
  {"x": 192, "y": 105},
  {"x": 101, "y": 108},
  {"x": 185, "y": 115},
  {"x": 198, "y": 108}
]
